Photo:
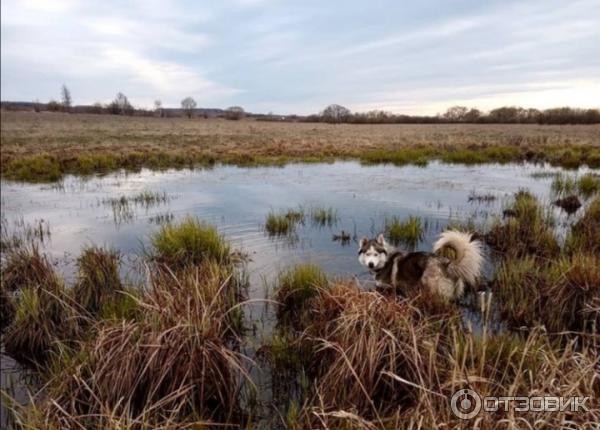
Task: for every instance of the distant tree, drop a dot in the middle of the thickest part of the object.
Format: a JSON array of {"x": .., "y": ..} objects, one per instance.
[
  {"x": 37, "y": 106},
  {"x": 335, "y": 114},
  {"x": 473, "y": 115},
  {"x": 188, "y": 105},
  {"x": 97, "y": 108},
  {"x": 54, "y": 106},
  {"x": 506, "y": 114},
  {"x": 67, "y": 101},
  {"x": 120, "y": 105},
  {"x": 456, "y": 113},
  {"x": 532, "y": 115},
  {"x": 158, "y": 108},
  {"x": 235, "y": 113}
]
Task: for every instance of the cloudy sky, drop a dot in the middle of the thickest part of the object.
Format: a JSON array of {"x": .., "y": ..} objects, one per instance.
[{"x": 416, "y": 57}]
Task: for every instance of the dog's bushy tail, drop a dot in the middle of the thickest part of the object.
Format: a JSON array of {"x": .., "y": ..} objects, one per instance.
[{"x": 468, "y": 255}]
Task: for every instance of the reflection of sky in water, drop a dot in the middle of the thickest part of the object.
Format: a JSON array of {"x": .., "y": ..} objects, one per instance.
[{"x": 237, "y": 200}]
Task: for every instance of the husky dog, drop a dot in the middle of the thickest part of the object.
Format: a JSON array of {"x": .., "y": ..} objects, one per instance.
[{"x": 433, "y": 271}]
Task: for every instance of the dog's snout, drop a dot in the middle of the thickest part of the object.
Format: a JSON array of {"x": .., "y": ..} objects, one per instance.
[{"x": 371, "y": 264}]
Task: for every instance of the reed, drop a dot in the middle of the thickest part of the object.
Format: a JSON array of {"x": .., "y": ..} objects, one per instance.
[
  {"x": 408, "y": 232},
  {"x": 322, "y": 216},
  {"x": 283, "y": 223},
  {"x": 526, "y": 230}
]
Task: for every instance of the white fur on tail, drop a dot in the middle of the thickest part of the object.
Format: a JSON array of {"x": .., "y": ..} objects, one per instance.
[{"x": 469, "y": 255}]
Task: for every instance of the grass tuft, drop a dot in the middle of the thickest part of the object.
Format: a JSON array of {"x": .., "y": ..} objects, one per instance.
[
  {"x": 295, "y": 287},
  {"x": 98, "y": 280},
  {"x": 528, "y": 229},
  {"x": 408, "y": 232},
  {"x": 588, "y": 184},
  {"x": 189, "y": 242},
  {"x": 283, "y": 223},
  {"x": 585, "y": 233},
  {"x": 324, "y": 216}
]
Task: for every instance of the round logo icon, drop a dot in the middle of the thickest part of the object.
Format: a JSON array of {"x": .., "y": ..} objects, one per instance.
[{"x": 465, "y": 404}]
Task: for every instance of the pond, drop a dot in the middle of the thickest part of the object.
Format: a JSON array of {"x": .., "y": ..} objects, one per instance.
[{"x": 122, "y": 210}]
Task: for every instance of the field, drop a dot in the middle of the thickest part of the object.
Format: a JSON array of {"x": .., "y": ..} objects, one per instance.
[
  {"x": 44, "y": 146},
  {"x": 232, "y": 297}
]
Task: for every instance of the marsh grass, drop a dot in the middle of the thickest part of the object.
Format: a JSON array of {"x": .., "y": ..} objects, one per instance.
[
  {"x": 528, "y": 229},
  {"x": 98, "y": 282},
  {"x": 409, "y": 232},
  {"x": 283, "y": 223},
  {"x": 585, "y": 185},
  {"x": 585, "y": 233},
  {"x": 481, "y": 198},
  {"x": 380, "y": 363},
  {"x": 28, "y": 267},
  {"x": 40, "y": 310},
  {"x": 324, "y": 216},
  {"x": 588, "y": 184},
  {"x": 7, "y": 307},
  {"x": 164, "y": 357},
  {"x": 161, "y": 218},
  {"x": 148, "y": 198},
  {"x": 343, "y": 237},
  {"x": 189, "y": 242},
  {"x": 49, "y": 146},
  {"x": 545, "y": 175},
  {"x": 35, "y": 168},
  {"x": 295, "y": 286},
  {"x": 22, "y": 234},
  {"x": 561, "y": 293},
  {"x": 123, "y": 207},
  {"x": 563, "y": 185}
]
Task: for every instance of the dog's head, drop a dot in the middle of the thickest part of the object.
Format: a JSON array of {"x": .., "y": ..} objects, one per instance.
[{"x": 372, "y": 253}]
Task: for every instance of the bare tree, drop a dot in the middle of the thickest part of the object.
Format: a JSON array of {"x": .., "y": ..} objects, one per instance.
[
  {"x": 235, "y": 112},
  {"x": 188, "y": 105},
  {"x": 158, "y": 108},
  {"x": 335, "y": 114},
  {"x": 67, "y": 101},
  {"x": 456, "y": 113},
  {"x": 472, "y": 115},
  {"x": 120, "y": 105}
]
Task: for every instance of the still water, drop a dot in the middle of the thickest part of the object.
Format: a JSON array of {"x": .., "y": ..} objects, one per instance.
[{"x": 78, "y": 213}]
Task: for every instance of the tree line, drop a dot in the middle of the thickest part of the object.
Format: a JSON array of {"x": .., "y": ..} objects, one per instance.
[
  {"x": 121, "y": 105},
  {"x": 336, "y": 114}
]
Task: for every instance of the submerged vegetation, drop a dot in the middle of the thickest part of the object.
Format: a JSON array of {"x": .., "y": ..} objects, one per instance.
[
  {"x": 408, "y": 232},
  {"x": 586, "y": 185},
  {"x": 123, "y": 207},
  {"x": 322, "y": 216},
  {"x": 283, "y": 223}
]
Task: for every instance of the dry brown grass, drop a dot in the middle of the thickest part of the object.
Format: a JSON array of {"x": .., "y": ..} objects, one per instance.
[
  {"x": 87, "y": 143},
  {"x": 381, "y": 363}
]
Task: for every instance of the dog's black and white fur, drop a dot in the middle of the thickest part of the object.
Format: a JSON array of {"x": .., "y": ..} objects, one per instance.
[{"x": 441, "y": 275}]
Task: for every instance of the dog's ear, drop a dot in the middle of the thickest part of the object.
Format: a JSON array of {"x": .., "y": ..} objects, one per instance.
[
  {"x": 381, "y": 239},
  {"x": 363, "y": 241}
]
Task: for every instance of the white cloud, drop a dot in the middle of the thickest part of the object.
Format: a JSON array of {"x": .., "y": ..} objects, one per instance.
[{"x": 299, "y": 57}]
